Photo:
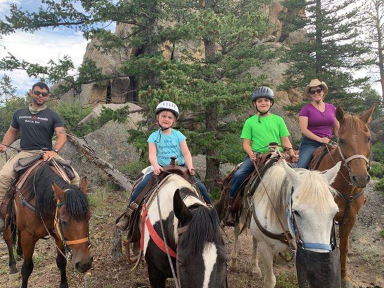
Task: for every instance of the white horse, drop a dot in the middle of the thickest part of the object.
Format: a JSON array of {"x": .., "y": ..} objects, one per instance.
[{"x": 287, "y": 195}]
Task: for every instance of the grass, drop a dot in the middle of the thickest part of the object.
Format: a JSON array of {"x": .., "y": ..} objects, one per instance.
[{"x": 286, "y": 280}]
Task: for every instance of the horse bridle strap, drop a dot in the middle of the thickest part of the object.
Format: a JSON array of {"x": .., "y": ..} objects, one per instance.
[{"x": 349, "y": 159}]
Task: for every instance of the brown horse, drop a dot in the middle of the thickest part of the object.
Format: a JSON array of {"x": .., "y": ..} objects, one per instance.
[
  {"x": 47, "y": 205},
  {"x": 354, "y": 149}
]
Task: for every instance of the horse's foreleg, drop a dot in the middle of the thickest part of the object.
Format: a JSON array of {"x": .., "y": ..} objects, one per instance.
[
  {"x": 9, "y": 241},
  {"x": 156, "y": 278},
  {"x": 235, "y": 248},
  {"x": 61, "y": 263},
  {"x": 267, "y": 261},
  {"x": 344, "y": 231},
  {"x": 19, "y": 250},
  {"x": 28, "y": 245},
  {"x": 255, "y": 258}
]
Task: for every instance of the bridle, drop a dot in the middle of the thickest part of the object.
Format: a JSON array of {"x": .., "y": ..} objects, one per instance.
[
  {"x": 59, "y": 229},
  {"x": 349, "y": 159}
]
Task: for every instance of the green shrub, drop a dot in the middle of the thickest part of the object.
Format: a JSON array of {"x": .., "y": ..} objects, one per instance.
[
  {"x": 380, "y": 185},
  {"x": 133, "y": 168},
  {"x": 378, "y": 152},
  {"x": 377, "y": 170}
]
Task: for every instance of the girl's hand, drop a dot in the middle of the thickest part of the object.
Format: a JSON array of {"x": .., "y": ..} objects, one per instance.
[
  {"x": 157, "y": 169},
  {"x": 192, "y": 171}
]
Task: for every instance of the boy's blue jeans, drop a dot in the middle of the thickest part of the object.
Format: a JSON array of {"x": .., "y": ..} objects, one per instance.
[
  {"x": 307, "y": 147},
  {"x": 144, "y": 182},
  {"x": 243, "y": 172}
]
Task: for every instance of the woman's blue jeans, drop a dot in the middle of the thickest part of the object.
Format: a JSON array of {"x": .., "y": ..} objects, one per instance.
[
  {"x": 144, "y": 182},
  {"x": 307, "y": 147},
  {"x": 243, "y": 172}
]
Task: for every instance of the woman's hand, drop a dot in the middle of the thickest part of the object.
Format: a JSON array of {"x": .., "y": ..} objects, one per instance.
[{"x": 324, "y": 140}]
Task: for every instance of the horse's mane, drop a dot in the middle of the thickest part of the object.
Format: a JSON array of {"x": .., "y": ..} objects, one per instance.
[
  {"x": 313, "y": 190},
  {"x": 39, "y": 185},
  {"x": 354, "y": 123},
  {"x": 204, "y": 227}
]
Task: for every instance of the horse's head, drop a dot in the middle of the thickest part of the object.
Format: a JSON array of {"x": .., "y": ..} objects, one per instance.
[
  {"x": 72, "y": 218},
  {"x": 312, "y": 207},
  {"x": 355, "y": 144},
  {"x": 201, "y": 256}
]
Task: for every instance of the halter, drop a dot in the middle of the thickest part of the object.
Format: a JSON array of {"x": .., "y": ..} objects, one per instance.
[
  {"x": 294, "y": 230},
  {"x": 349, "y": 159},
  {"x": 59, "y": 228}
]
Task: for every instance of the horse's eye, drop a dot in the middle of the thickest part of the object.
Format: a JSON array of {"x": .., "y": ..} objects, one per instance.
[
  {"x": 341, "y": 141},
  {"x": 369, "y": 139},
  {"x": 296, "y": 213}
]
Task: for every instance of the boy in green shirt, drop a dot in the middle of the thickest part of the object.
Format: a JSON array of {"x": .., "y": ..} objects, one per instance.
[{"x": 258, "y": 132}]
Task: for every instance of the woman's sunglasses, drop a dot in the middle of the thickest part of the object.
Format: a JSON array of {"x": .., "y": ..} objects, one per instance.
[
  {"x": 318, "y": 90},
  {"x": 37, "y": 93}
]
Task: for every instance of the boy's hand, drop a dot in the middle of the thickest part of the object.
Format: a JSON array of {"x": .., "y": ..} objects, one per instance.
[{"x": 252, "y": 156}]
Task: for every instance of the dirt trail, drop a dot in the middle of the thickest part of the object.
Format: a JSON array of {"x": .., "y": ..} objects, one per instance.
[{"x": 365, "y": 261}]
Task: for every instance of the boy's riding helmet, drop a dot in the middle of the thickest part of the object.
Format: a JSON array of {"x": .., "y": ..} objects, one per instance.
[
  {"x": 263, "y": 92},
  {"x": 168, "y": 106}
]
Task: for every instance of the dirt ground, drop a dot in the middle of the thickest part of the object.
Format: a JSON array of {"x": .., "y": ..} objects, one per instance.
[{"x": 366, "y": 260}]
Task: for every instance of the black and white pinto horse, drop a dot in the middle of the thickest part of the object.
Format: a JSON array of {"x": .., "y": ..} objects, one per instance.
[{"x": 178, "y": 227}]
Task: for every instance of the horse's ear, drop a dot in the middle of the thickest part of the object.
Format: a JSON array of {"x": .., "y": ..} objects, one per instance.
[
  {"x": 367, "y": 115},
  {"x": 330, "y": 174},
  {"x": 181, "y": 210},
  {"x": 340, "y": 114},
  {"x": 83, "y": 184},
  {"x": 59, "y": 193},
  {"x": 292, "y": 175}
]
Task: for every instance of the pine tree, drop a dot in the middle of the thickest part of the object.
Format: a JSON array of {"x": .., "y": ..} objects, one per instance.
[
  {"x": 213, "y": 43},
  {"x": 332, "y": 51}
]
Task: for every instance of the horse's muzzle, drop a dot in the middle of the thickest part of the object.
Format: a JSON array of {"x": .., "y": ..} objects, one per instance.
[
  {"x": 83, "y": 267},
  {"x": 360, "y": 181},
  {"x": 319, "y": 270}
]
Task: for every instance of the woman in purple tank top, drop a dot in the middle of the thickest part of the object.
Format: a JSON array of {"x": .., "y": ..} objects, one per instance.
[{"x": 317, "y": 121}]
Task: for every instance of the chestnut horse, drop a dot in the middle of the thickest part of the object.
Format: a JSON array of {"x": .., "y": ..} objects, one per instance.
[
  {"x": 47, "y": 205},
  {"x": 354, "y": 149}
]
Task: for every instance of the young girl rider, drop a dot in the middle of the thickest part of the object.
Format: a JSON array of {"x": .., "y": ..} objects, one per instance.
[
  {"x": 258, "y": 132},
  {"x": 166, "y": 143}
]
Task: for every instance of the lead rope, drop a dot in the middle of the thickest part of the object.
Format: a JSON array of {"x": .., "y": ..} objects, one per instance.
[
  {"x": 289, "y": 240},
  {"x": 175, "y": 278}
]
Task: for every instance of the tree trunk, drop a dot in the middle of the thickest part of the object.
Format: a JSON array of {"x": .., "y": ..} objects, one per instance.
[
  {"x": 380, "y": 44},
  {"x": 117, "y": 177},
  {"x": 211, "y": 115}
]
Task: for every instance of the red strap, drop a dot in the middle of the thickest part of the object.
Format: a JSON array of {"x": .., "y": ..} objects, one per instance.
[{"x": 153, "y": 234}]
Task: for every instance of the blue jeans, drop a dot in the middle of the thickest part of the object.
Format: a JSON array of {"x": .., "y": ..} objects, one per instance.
[
  {"x": 144, "y": 182},
  {"x": 245, "y": 169},
  {"x": 307, "y": 147}
]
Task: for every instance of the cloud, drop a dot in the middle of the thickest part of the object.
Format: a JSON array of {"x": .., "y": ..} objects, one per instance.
[
  {"x": 41, "y": 47},
  {"x": 4, "y": 4}
]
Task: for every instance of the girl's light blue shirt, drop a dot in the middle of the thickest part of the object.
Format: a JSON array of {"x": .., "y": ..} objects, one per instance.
[{"x": 168, "y": 146}]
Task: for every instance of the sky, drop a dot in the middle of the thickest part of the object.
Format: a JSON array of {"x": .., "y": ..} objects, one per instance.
[
  {"x": 47, "y": 44},
  {"x": 38, "y": 47}
]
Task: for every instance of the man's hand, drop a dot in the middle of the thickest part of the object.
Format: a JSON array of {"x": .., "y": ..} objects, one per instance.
[
  {"x": 3, "y": 148},
  {"x": 48, "y": 155},
  {"x": 252, "y": 156}
]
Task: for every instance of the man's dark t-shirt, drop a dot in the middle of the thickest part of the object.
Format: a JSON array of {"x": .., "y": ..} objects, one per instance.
[{"x": 36, "y": 130}]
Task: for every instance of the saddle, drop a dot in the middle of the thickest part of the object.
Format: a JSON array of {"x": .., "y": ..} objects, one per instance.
[
  {"x": 263, "y": 163},
  {"x": 319, "y": 154}
]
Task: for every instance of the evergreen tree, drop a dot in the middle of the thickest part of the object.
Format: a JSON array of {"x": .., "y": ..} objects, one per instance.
[
  {"x": 213, "y": 45},
  {"x": 332, "y": 51}
]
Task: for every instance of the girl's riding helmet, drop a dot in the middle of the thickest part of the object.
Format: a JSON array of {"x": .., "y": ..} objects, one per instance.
[
  {"x": 263, "y": 92},
  {"x": 167, "y": 106}
]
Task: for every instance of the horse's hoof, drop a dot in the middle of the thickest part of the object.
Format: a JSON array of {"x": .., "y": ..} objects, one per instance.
[
  {"x": 12, "y": 269},
  {"x": 64, "y": 285},
  {"x": 346, "y": 284}
]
